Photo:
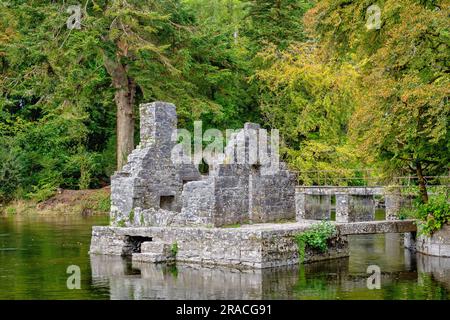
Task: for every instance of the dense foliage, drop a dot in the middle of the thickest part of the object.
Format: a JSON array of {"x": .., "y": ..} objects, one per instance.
[
  {"x": 344, "y": 97},
  {"x": 434, "y": 214},
  {"x": 402, "y": 117},
  {"x": 315, "y": 238},
  {"x": 60, "y": 86},
  {"x": 430, "y": 216}
]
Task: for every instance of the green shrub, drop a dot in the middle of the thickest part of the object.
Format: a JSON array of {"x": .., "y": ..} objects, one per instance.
[
  {"x": 434, "y": 214},
  {"x": 316, "y": 238},
  {"x": 131, "y": 216},
  {"x": 42, "y": 192}
]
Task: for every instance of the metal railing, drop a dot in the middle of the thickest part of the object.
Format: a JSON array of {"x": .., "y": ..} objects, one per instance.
[{"x": 363, "y": 177}]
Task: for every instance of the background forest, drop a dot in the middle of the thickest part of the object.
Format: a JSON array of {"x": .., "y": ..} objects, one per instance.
[{"x": 345, "y": 93}]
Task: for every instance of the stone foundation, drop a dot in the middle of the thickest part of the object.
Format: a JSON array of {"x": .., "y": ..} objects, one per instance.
[
  {"x": 436, "y": 245},
  {"x": 249, "y": 246},
  {"x": 255, "y": 246}
]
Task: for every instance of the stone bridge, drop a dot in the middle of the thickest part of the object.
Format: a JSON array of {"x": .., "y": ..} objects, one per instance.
[{"x": 352, "y": 203}]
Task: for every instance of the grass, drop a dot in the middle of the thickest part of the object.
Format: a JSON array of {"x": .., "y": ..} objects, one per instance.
[{"x": 69, "y": 202}]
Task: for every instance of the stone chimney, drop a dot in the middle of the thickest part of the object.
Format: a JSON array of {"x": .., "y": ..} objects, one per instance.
[{"x": 158, "y": 120}]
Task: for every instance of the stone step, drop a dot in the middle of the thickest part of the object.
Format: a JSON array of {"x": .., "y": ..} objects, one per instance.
[{"x": 152, "y": 257}]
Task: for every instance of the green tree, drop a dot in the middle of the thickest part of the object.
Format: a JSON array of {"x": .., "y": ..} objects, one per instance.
[
  {"x": 133, "y": 39},
  {"x": 277, "y": 22},
  {"x": 59, "y": 88},
  {"x": 402, "y": 115},
  {"x": 311, "y": 103}
]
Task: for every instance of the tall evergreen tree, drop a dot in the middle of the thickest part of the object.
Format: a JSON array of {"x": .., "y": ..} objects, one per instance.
[{"x": 277, "y": 22}]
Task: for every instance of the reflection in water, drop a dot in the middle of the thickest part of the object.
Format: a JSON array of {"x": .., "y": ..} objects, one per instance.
[
  {"x": 404, "y": 276},
  {"x": 436, "y": 268},
  {"x": 160, "y": 281}
]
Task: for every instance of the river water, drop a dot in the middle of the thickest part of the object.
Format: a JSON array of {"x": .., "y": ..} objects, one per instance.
[{"x": 36, "y": 251}]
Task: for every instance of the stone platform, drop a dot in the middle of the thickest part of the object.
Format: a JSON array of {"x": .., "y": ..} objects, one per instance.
[{"x": 249, "y": 246}]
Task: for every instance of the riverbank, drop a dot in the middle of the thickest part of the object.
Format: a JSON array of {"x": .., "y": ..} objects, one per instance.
[{"x": 64, "y": 202}]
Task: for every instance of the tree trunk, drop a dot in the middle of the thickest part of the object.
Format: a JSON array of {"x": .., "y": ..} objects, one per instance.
[
  {"x": 422, "y": 186},
  {"x": 124, "y": 98},
  {"x": 125, "y": 123}
]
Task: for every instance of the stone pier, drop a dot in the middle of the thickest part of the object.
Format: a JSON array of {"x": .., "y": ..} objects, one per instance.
[
  {"x": 354, "y": 207},
  {"x": 394, "y": 202},
  {"x": 312, "y": 204}
]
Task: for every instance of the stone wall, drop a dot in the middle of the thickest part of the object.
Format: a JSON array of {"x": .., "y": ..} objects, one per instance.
[
  {"x": 272, "y": 197},
  {"x": 199, "y": 202},
  {"x": 243, "y": 184},
  {"x": 436, "y": 245},
  {"x": 279, "y": 248},
  {"x": 231, "y": 194},
  {"x": 246, "y": 186},
  {"x": 150, "y": 181}
]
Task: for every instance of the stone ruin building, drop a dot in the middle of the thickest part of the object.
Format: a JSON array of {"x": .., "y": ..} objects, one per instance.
[
  {"x": 165, "y": 211},
  {"x": 152, "y": 190}
]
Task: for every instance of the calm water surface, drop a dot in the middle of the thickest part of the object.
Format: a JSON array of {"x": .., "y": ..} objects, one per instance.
[{"x": 36, "y": 251}]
